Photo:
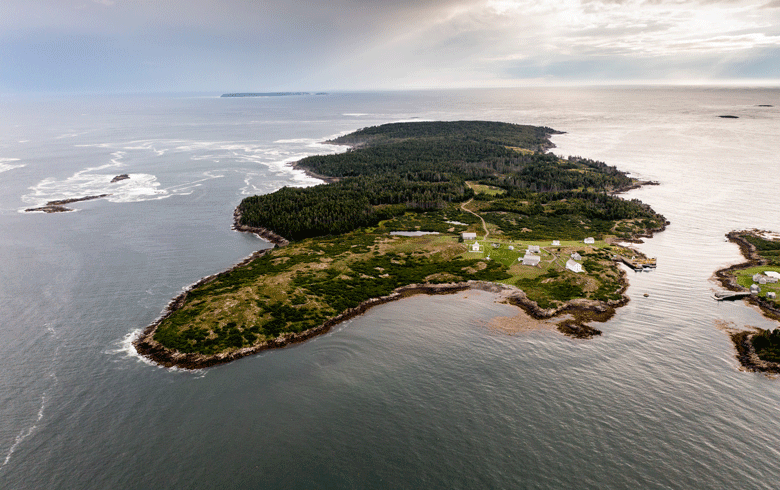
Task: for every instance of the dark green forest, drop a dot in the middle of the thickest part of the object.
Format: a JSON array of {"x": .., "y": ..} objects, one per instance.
[{"x": 424, "y": 166}]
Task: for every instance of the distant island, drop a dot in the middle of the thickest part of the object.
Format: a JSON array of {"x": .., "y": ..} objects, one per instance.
[
  {"x": 423, "y": 207},
  {"x": 758, "y": 282},
  {"x": 270, "y": 94}
]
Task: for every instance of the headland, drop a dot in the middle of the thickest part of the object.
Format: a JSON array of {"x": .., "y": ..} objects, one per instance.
[{"x": 510, "y": 218}]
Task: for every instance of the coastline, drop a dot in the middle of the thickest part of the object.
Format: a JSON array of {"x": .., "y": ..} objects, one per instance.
[
  {"x": 746, "y": 353},
  {"x": 581, "y": 310}
]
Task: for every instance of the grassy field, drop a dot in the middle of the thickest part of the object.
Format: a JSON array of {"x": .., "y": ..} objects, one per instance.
[
  {"x": 298, "y": 287},
  {"x": 490, "y": 190},
  {"x": 745, "y": 279}
]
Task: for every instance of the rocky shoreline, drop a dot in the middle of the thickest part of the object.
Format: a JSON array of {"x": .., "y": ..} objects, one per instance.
[
  {"x": 580, "y": 309},
  {"x": 263, "y": 233},
  {"x": 746, "y": 354}
]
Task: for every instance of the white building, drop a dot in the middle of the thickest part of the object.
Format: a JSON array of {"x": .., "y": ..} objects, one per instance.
[
  {"x": 590, "y": 240},
  {"x": 574, "y": 266},
  {"x": 475, "y": 247},
  {"x": 511, "y": 247},
  {"x": 469, "y": 235},
  {"x": 771, "y": 295},
  {"x": 576, "y": 256},
  {"x": 556, "y": 243},
  {"x": 533, "y": 249},
  {"x": 754, "y": 289},
  {"x": 773, "y": 274},
  {"x": 532, "y": 260},
  {"x": 756, "y": 276}
]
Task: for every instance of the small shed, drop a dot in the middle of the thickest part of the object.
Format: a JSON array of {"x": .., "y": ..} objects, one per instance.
[
  {"x": 556, "y": 243},
  {"x": 469, "y": 235},
  {"x": 574, "y": 266},
  {"x": 771, "y": 295},
  {"x": 532, "y": 260},
  {"x": 755, "y": 289},
  {"x": 576, "y": 256},
  {"x": 590, "y": 240},
  {"x": 475, "y": 247}
]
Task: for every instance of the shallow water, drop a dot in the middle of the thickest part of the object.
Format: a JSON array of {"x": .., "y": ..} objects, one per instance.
[{"x": 419, "y": 393}]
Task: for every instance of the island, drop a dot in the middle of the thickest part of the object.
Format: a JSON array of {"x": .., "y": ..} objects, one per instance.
[
  {"x": 58, "y": 205},
  {"x": 119, "y": 177},
  {"x": 757, "y": 281},
  {"x": 270, "y": 94},
  {"x": 416, "y": 208}
]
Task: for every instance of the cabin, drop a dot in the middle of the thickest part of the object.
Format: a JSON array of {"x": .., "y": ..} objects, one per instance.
[
  {"x": 756, "y": 276},
  {"x": 590, "y": 240},
  {"x": 574, "y": 266},
  {"x": 475, "y": 247},
  {"x": 755, "y": 289},
  {"x": 468, "y": 235},
  {"x": 532, "y": 260},
  {"x": 576, "y": 256},
  {"x": 556, "y": 243},
  {"x": 533, "y": 249},
  {"x": 771, "y": 295},
  {"x": 762, "y": 280}
]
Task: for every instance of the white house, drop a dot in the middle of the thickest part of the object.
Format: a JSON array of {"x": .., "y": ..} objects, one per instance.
[
  {"x": 475, "y": 247},
  {"x": 590, "y": 240},
  {"x": 469, "y": 235},
  {"x": 771, "y": 295},
  {"x": 532, "y": 260},
  {"x": 754, "y": 289},
  {"x": 556, "y": 243},
  {"x": 511, "y": 247},
  {"x": 762, "y": 280},
  {"x": 574, "y": 266},
  {"x": 533, "y": 249},
  {"x": 576, "y": 256},
  {"x": 756, "y": 276},
  {"x": 773, "y": 274}
]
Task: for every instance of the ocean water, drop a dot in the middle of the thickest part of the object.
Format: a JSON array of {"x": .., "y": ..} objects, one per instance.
[{"x": 419, "y": 393}]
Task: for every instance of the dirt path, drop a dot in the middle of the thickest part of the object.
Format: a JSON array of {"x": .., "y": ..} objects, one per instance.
[{"x": 484, "y": 226}]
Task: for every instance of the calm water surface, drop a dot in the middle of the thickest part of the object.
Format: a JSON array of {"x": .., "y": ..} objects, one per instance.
[{"x": 419, "y": 393}]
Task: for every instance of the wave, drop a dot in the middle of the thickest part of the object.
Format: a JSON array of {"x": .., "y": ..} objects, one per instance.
[{"x": 6, "y": 165}]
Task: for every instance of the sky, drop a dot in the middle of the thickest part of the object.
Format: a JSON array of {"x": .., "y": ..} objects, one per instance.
[{"x": 136, "y": 46}]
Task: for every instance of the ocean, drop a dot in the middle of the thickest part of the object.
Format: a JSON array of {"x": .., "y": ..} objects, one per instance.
[{"x": 420, "y": 393}]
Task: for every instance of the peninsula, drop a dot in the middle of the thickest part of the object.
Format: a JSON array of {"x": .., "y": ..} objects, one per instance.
[
  {"x": 424, "y": 207},
  {"x": 757, "y": 281}
]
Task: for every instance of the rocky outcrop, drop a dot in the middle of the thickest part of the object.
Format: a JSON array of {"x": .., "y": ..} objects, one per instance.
[
  {"x": 57, "y": 206},
  {"x": 119, "y": 177},
  {"x": 263, "y": 233}
]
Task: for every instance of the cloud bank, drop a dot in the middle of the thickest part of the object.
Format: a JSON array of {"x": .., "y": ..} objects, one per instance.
[{"x": 243, "y": 45}]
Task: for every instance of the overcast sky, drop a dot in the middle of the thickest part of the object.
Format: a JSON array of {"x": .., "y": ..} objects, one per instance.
[{"x": 277, "y": 45}]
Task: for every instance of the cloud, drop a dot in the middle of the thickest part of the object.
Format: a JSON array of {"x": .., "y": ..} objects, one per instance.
[{"x": 278, "y": 44}]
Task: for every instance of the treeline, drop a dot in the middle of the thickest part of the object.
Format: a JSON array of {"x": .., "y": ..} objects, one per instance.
[
  {"x": 497, "y": 133},
  {"x": 332, "y": 209},
  {"x": 425, "y": 166}
]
